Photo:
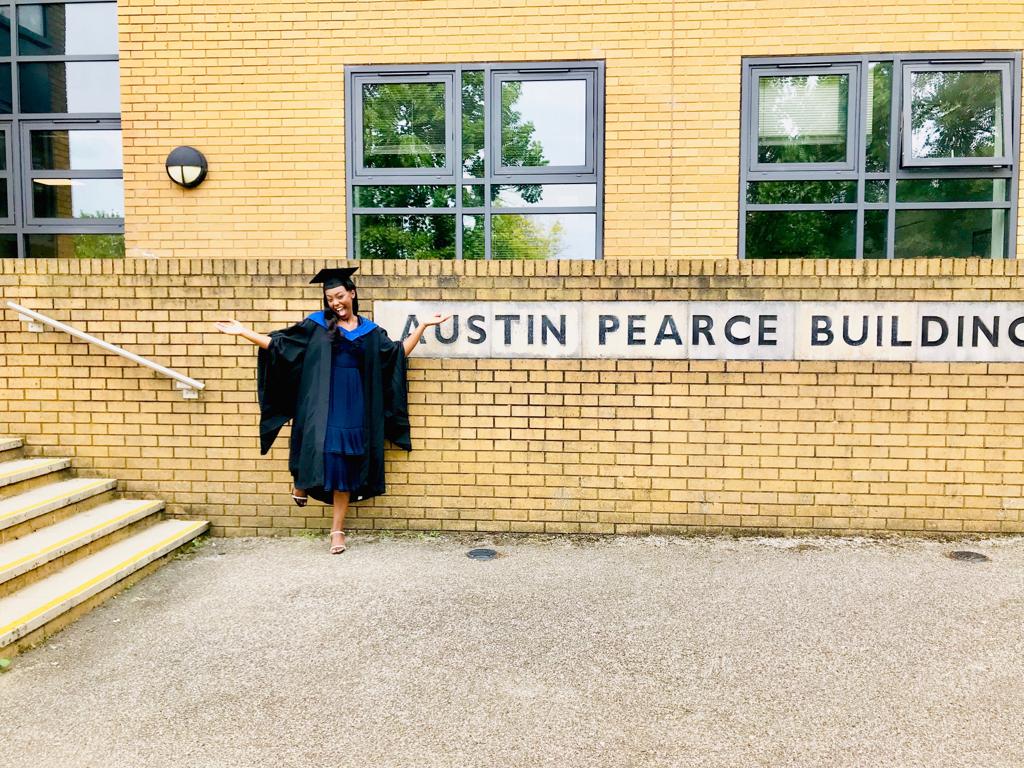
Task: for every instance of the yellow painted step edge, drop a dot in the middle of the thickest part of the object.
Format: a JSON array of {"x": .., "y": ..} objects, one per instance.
[
  {"x": 35, "y": 504},
  {"x": 57, "y": 545},
  {"x": 96, "y": 579}
]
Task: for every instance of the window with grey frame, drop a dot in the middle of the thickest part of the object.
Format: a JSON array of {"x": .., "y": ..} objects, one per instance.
[
  {"x": 480, "y": 161},
  {"x": 61, "y": 185},
  {"x": 880, "y": 156}
]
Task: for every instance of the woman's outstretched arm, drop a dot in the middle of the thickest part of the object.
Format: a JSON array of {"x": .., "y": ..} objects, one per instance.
[
  {"x": 235, "y": 328},
  {"x": 410, "y": 341}
]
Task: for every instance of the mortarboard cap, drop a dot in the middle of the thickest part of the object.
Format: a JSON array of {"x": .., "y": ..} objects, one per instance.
[{"x": 332, "y": 278}]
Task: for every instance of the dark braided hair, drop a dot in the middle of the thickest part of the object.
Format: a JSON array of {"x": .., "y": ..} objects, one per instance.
[{"x": 329, "y": 314}]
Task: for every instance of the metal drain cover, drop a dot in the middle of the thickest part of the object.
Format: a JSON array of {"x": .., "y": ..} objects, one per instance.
[
  {"x": 481, "y": 554},
  {"x": 968, "y": 556}
]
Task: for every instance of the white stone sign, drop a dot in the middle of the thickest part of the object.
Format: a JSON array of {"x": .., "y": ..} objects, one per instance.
[{"x": 716, "y": 330}]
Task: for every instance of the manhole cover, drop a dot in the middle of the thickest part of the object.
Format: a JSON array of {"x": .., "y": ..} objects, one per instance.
[
  {"x": 481, "y": 554},
  {"x": 968, "y": 556}
]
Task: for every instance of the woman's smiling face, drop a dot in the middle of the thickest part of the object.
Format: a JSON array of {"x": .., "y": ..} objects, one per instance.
[{"x": 340, "y": 301}]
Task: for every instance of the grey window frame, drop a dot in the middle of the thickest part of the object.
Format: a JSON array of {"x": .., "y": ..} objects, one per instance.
[
  {"x": 9, "y": 173},
  {"x": 28, "y": 174},
  {"x": 546, "y": 74},
  {"x": 19, "y": 151},
  {"x": 450, "y": 152},
  {"x": 896, "y": 170},
  {"x": 356, "y": 176},
  {"x": 852, "y": 121},
  {"x": 907, "y": 159}
]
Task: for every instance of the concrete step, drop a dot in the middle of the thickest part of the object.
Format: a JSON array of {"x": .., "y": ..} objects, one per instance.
[
  {"x": 10, "y": 443},
  {"x": 25, "y": 470},
  {"x": 32, "y": 608},
  {"x": 49, "y": 543},
  {"x": 27, "y": 506}
]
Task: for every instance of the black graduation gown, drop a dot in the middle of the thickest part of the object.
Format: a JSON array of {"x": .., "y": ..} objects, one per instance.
[{"x": 294, "y": 382}]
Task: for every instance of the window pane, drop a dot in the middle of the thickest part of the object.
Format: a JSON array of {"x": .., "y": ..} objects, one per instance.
[
  {"x": 404, "y": 196},
  {"x": 473, "y": 236},
  {"x": 527, "y": 195},
  {"x": 879, "y": 115},
  {"x": 423, "y": 236},
  {"x": 404, "y": 125},
  {"x": 3, "y": 150},
  {"x": 963, "y": 232},
  {"x": 74, "y": 246},
  {"x": 780, "y": 192},
  {"x": 543, "y": 122},
  {"x": 8, "y": 246},
  {"x": 31, "y": 22},
  {"x": 802, "y": 118},
  {"x": 473, "y": 196},
  {"x": 952, "y": 190},
  {"x": 473, "y": 155},
  {"x": 876, "y": 191},
  {"x": 76, "y": 150},
  {"x": 801, "y": 234},
  {"x": 6, "y": 93},
  {"x": 72, "y": 30},
  {"x": 544, "y": 236},
  {"x": 5, "y": 39},
  {"x": 956, "y": 114},
  {"x": 876, "y": 230},
  {"x": 78, "y": 198},
  {"x": 5, "y": 207},
  {"x": 82, "y": 86}
]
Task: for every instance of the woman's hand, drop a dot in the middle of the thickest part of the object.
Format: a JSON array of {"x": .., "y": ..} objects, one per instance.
[
  {"x": 230, "y": 327},
  {"x": 437, "y": 319},
  {"x": 235, "y": 328},
  {"x": 413, "y": 338}
]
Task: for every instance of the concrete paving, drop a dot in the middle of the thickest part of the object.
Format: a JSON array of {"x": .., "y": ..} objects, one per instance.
[{"x": 561, "y": 652}]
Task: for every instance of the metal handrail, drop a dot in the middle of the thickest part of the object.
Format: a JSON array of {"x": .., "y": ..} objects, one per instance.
[{"x": 189, "y": 387}]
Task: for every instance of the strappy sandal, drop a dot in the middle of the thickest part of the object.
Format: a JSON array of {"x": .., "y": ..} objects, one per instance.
[
  {"x": 300, "y": 501},
  {"x": 337, "y": 549}
]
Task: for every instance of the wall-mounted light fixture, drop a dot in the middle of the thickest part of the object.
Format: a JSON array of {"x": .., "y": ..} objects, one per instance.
[{"x": 186, "y": 166}]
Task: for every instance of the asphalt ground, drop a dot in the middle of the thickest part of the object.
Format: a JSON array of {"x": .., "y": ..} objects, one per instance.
[{"x": 560, "y": 652}]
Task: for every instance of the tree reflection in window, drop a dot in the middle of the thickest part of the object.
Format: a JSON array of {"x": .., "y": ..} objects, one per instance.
[
  {"x": 956, "y": 114},
  {"x": 396, "y": 236},
  {"x": 954, "y": 128},
  {"x": 404, "y": 127}
]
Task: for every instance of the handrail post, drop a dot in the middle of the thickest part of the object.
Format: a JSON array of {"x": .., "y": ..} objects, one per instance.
[{"x": 33, "y": 325}]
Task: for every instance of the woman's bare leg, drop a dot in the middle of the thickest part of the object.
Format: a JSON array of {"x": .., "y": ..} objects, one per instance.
[{"x": 338, "y": 522}]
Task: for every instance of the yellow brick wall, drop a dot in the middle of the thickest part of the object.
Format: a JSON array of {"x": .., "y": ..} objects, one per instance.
[
  {"x": 595, "y": 446},
  {"x": 258, "y": 87}
]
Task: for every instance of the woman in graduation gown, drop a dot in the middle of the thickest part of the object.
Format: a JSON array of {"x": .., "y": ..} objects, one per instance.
[{"x": 341, "y": 381}]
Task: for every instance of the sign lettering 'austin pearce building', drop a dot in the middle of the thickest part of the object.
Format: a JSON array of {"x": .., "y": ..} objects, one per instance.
[{"x": 724, "y": 330}]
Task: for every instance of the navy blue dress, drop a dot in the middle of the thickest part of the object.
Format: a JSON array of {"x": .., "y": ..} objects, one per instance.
[{"x": 345, "y": 440}]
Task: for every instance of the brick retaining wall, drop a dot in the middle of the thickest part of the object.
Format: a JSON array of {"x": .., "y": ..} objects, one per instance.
[{"x": 588, "y": 446}]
